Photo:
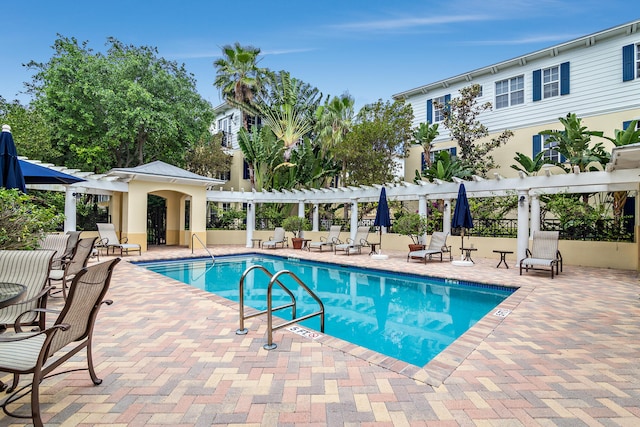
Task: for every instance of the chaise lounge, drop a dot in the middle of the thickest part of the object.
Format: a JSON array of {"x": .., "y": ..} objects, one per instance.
[
  {"x": 355, "y": 245},
  {"x": 331, "y": 239},
  {"x": 110, "y": 241},
  {"x": 437, "y": 246},
  {"x": 544, "y": 252},
  {"x": 278, "y": 238}
]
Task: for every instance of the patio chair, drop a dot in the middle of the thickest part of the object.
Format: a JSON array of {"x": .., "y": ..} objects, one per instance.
[
  {"x": 74, "y": 237},
  {"x": 39, "y": 353},
  {"x": 278, "y": 238},
  {"x": 110, "y": 240},
  {"x": 57, "y": 243},
  {"x": 437, "y": 246},
  {"x": 355, "y": 245},
  {"x": 30, "y": 269},
  {"x": 81, "y": 254},
  {"x": 544, "y": 252},
  {"x": 331, "y": 239}
]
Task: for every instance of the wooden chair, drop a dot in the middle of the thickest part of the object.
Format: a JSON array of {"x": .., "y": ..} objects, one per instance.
[{"x": 39, "y": 353}]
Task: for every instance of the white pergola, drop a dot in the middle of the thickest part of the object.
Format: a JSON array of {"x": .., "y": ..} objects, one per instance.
[{"x": 621, "y": 174}]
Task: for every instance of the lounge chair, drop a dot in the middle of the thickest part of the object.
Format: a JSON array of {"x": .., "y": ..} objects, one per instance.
[
  {"x": 30, "y": 269},
  {"x": 437, "y": 246},
  {"x": 544, "y": 252},
  {"x": 355, "y": 245},
  {"x": 72, "y": 242},
  {"x": 39, "y": 353},
  {"x": 81, "y": 254},
  {"x": 331, "y": 239},
  {"x": 278, "y": 238},
  {"x": 110, "y": 241}
]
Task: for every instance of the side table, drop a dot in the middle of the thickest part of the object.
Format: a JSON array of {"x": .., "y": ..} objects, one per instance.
[
  {"x": 256, "y": 241},
  {"x": 503, "y": 257},
  {"x": 467, "y": 253}
]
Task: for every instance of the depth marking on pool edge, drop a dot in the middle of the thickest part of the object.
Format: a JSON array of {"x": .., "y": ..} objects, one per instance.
[
  {"x": 304, "y": 332},
  {"x": 502, "y": 312}
]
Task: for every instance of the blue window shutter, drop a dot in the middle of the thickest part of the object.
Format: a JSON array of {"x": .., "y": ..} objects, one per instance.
[
  {"x": 627, "y": 62},
  {"x": 453, "y": 151},
  {"x": 245, "y": 170},
  {"x": 564, "y": 78},
  {"x": 537, "y": 85},
  {"x": 447, "y": 99},
  {"x": 423, "y": 161},
  {"x": 537, "y": 145},
  {"x": 626, "y": 124},
  {"x": 429, "y": 110}
]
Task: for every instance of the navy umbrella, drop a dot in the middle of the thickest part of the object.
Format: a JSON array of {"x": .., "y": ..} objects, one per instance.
[
  {"x": 462, "y": 214},
  {"x": 10, "y": 172},
  {"x": 36, "y": 174},
  {"x": 383, "y": 219}
]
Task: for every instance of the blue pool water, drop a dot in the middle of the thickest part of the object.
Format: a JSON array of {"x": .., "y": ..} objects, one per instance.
[{"x": 409, "y": 317}]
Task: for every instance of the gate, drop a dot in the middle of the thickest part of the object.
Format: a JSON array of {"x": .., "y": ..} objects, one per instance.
[{"x": 156, "y": 221}]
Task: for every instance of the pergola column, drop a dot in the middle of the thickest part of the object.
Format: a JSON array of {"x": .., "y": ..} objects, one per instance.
[
  {"x": 69, "y": 209},
  {"x": 422, "y": 210},
  {"x": 354, "y": 219},
  {"x": 301, "y": 215},
  {"x": 446, "y": 217},
  {"x": 316, "y": 217},
  {"x": 523, "y": 226},
  {"x": 535, "y": 214},
  {"x": 251, "y": 222}
]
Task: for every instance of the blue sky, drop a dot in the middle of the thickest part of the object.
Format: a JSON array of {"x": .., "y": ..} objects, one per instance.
[{"x": 371, "y": 49}]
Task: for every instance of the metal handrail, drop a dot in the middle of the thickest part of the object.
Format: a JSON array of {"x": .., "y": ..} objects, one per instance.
[
  {"x": 242, "y": 330},
  {"x": 270, "y": 328},
  {"x": 203, "y": 245}
]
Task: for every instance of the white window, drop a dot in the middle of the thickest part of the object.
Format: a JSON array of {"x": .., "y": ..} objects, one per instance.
[
  {"x": 510, "y": 92},
  {"x": 438, "y": 115},
  {"x": 550, "y": 154},
  {"x": 224, "y": 125},
  {"x": 551, "y": 82}
]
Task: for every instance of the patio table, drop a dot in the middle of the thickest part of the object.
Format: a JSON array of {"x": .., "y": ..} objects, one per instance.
[{"x": 10, "y": 293}]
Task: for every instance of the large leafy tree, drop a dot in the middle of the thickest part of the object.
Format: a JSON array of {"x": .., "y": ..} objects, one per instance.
[
  {"x": 30, "y": 130},
  {"x": 461, "y": 118},
  {"x": 207, "y": 157},
  {"x": 380, "y": 137},
  {"x": 123, "y": 108}
]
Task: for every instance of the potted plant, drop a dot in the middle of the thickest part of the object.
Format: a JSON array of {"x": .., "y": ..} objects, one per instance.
[
  {"x": 413, "y": 225},
  {"x": 296, "y": 225}
]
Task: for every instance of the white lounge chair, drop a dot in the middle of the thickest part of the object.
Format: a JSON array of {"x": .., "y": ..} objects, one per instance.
[
  {"x": 333, "y": 238},
  {"x": 437, "y": 246},
  {"x": 544, "y": 252},
  {"x": 278, "y": 238},
  {"x": 355, "y": 245},
  {"x": 110, "y": 240}
]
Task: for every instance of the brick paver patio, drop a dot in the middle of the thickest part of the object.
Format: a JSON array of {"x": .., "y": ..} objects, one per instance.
[{"x": 568, "y": 354}]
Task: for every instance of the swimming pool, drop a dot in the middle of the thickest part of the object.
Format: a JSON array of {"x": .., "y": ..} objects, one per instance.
[{"x": 409, "y": 317}]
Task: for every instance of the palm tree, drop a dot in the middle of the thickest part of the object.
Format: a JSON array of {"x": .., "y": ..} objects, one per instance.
[
  {"x": 287, "y": 106},
  {"x": 335, "y": 121},
  {"x": 528, "y": 165},
  {"x": 424, "y": 135},
  {"x": 238, "y": 76}
]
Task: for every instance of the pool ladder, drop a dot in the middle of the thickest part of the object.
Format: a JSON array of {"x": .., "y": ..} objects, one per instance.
[
  {"x": 195, "y": 236},
  {"x": 274, "y": 280}
]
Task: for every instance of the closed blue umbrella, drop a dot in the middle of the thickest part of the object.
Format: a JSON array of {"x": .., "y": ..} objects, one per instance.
[
  {"x": 383, "y": 219},
  {"x": 462, "y": 214},
  {"x": 10, "y": 172}
]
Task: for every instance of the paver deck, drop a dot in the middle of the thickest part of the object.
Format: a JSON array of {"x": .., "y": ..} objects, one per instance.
[{"x": 567, "y": 354}]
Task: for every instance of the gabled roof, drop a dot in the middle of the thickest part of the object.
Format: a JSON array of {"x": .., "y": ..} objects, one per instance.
[
  {"x": 163, "y": 172},
  {"x": 584, "y": 41}
]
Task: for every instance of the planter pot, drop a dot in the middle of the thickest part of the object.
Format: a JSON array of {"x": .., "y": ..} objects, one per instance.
[
  {"x": 297, "y": 242},
  {"x": 414, "y": 247}
]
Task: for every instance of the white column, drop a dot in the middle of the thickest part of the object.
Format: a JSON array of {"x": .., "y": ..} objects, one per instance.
[
  {"x": 535, "y": 215},
  {"x": 354, "y": 219},
  {"x": 301, "y": 209},
  {"x": 523, "y": 225},
  {"x": 251, "y": 222},
  {"x": 69, "y": 209},
  {"x": 422, "y": 210},
  {"x": 446, "y": 216},
  {"x": 316, "y": 217}
]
